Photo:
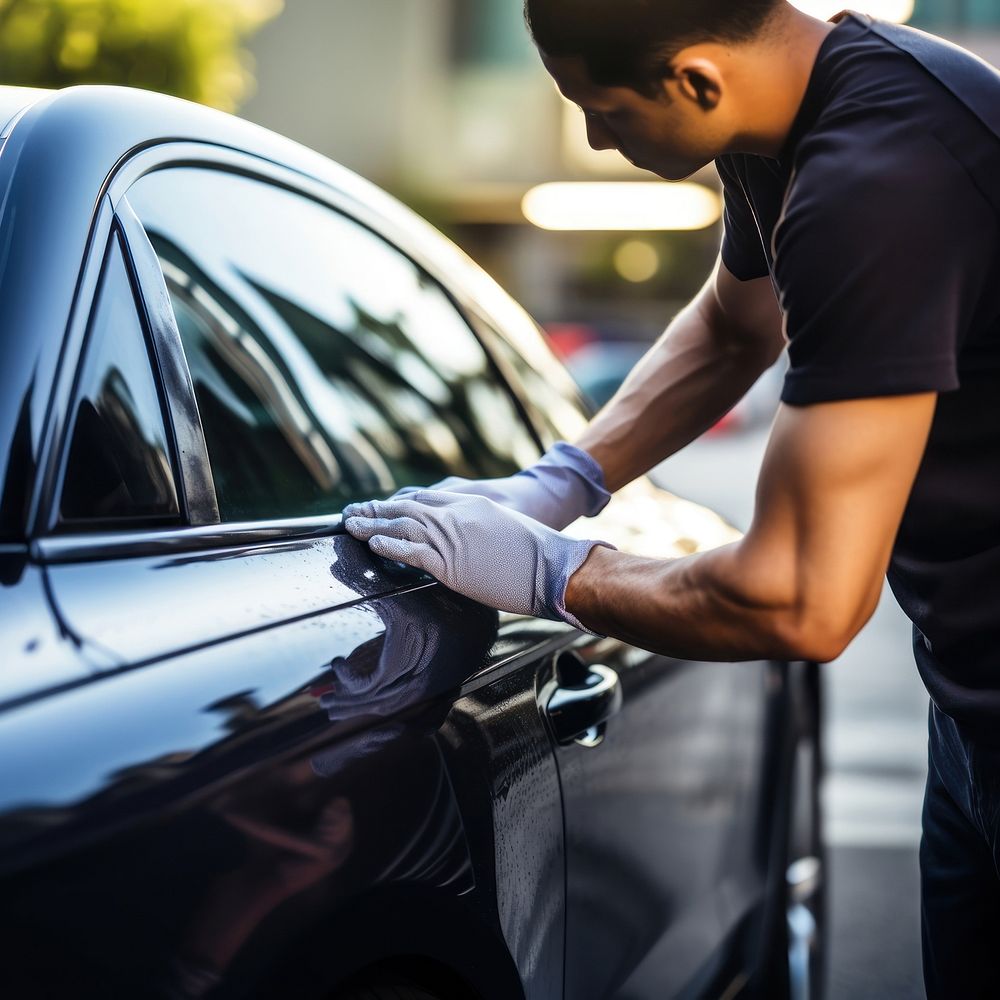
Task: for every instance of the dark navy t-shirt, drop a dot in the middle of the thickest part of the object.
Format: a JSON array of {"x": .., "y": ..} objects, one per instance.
[{"x": 879, "y": 224}]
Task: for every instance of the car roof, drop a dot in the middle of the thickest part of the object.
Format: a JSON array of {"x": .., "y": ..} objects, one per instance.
[
  {"x": 14, "y": 100},
  {"x": 54, "y": 165}
]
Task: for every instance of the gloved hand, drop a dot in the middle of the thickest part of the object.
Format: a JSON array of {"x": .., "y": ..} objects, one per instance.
[
  {"x": 564, "y": 484},
  {"x": 475, "y": 547}
]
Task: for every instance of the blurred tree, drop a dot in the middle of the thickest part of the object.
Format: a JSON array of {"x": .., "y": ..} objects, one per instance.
[{"x": 189, "y": 48}]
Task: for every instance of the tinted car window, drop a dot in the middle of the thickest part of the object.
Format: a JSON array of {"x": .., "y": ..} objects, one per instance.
[
  {"x": 118, "y": 467},
  {"x": 550, "y": 393},
  {"x": 327, "y": 366}
]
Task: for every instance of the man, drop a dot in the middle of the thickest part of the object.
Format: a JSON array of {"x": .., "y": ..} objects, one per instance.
[{"x": 861, "y": 167}]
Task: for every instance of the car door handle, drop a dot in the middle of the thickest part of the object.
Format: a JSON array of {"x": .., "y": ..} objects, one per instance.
[{"x": 578, "y": 710}]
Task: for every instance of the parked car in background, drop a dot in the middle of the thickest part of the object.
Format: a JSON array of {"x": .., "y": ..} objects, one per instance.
[
  {"x": 600, "y": 359},
  {"x": 243, "y": 757}
]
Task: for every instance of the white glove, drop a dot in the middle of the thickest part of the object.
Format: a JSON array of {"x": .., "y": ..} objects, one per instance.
[
  {"x": 563, "y": 485},
  {"x": 475, "y": 547}
]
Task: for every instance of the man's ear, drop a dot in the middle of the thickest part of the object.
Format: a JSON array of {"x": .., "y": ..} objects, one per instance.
[{"x": 698, "y": 79}]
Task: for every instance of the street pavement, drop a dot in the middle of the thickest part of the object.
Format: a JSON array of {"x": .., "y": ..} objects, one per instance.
[{"x": 875, "y": 742}]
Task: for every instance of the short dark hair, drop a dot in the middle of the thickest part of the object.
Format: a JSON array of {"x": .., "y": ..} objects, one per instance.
[{"x": 628, "y": 42}]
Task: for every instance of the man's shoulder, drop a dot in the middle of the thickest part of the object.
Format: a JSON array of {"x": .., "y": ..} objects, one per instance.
[
  {"x": 897, "y": 99},
  {"x": 910, "y": 192},
  {"x": 896, "y": 67},
  {"x": 877, "y": 175},
  {"x": 964, "y": 76}
]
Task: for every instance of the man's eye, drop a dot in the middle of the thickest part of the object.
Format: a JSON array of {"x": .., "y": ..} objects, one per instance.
[{"x": 603, "y": 117}]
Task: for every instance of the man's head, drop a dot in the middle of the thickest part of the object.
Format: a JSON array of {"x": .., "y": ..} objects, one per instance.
[{"x": 662, "y": 81}]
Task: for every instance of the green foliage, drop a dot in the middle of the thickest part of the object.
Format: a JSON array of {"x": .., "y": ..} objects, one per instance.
[{"x": 190, "y": 48}]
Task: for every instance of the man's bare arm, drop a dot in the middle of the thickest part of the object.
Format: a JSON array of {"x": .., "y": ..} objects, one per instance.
[
  {"x": 708, "y": 357},
  {"x": 807, "y": 575}
]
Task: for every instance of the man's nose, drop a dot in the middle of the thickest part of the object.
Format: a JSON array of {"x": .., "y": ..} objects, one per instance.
[{"x": 599, "y": 135}]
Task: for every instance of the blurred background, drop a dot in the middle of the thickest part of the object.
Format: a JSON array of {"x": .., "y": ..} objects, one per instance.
[{"x": 445, "y": 104}]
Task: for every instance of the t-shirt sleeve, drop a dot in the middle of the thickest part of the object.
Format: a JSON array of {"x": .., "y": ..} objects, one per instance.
[
  {"x": 879, "y": 268},
  {"x": 742, "y": 250}
]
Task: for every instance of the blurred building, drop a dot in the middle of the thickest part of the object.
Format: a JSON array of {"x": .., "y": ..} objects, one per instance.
[
  {"x": 445, "y": 103},
  {"x": 974, "y": 24}
]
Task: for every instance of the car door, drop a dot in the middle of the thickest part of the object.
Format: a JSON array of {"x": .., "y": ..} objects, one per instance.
[
  {"x": 672, "y": 814},
  {"x": 316, "y": 365},
  {"x": 271, "y": 689}
]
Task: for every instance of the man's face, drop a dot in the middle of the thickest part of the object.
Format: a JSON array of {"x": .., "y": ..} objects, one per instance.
[{"x": 664, "y": 133}]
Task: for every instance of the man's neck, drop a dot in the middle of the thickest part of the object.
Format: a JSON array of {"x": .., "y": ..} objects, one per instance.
[{"x": 773, "y": 78}]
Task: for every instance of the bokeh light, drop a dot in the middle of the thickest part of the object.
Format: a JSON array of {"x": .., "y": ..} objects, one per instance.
[
  {"x": 885, "y": 10},
  {"x": 636, "y": 261},
  {"x": 627, "y": 206}
]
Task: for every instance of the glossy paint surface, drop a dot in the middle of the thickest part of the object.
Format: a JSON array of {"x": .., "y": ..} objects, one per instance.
[
  {"x": 501, "y": 755},
  {"x": 131, "y": 606},
  {"x": 648, "y": 811},
  {"x": 658, "y": 818},
  {"x": 34, "y": 653},
  {"x": 285, "y": 771}
]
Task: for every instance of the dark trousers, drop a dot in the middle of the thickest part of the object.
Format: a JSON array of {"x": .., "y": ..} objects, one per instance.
[{"x": 960, "y": 865}]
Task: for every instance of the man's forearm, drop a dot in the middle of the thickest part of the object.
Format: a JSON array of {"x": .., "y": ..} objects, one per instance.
[
  {"x": 700, "y": 607},
  {"x": 808, "y": 574},
  {"x": 701, "y": 366}
]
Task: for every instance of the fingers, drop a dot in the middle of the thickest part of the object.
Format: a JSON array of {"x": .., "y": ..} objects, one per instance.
[
  {"x": 390, "y": 533},
  {"x": 409, "y": 506},
  {"x": 365, "y": 528},
  {"x": 366, "y": 509},
  {"x": 434, "y": 498},
  {"x": 450, "y": 483},
  {"x": 400, "y": 550}
]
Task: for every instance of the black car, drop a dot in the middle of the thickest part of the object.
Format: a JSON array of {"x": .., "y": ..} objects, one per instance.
[{"x": 242, "y": 756}]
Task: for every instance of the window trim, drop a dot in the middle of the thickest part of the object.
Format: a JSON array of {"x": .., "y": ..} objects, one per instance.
[
  {"x": 56, "y": 524},
  {"x": 196, "y": 484},
  {"x": 99, "y": 546}
]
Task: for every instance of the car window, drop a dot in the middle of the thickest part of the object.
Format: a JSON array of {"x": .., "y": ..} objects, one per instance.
[
  {"x": 118, "y": 467},
  {"x": 327, "y": 366},
  {"x": 547, "y": 388}
]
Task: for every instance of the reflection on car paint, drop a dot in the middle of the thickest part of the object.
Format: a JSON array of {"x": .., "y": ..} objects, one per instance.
[
  {"x": 34, "y": 652},
  {"x": 217, "y": 593},
  {"x": 367, "y": 660},
  {"x": 118, "y": 748}
]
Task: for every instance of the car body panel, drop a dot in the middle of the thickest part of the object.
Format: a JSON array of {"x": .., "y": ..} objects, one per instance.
[
  {"x": 36, "y": 653},
  {"x": 218, "y": 592},
  {"x": 649, "y": 817},
  {"x": 13, "y": 102},
  {"x": 250, "y": 754}
]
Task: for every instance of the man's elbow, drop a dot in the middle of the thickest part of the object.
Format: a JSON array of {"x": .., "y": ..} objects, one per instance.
[
  {"x": 818, "y": 637},
  {"x": 818, "y": 647}
]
